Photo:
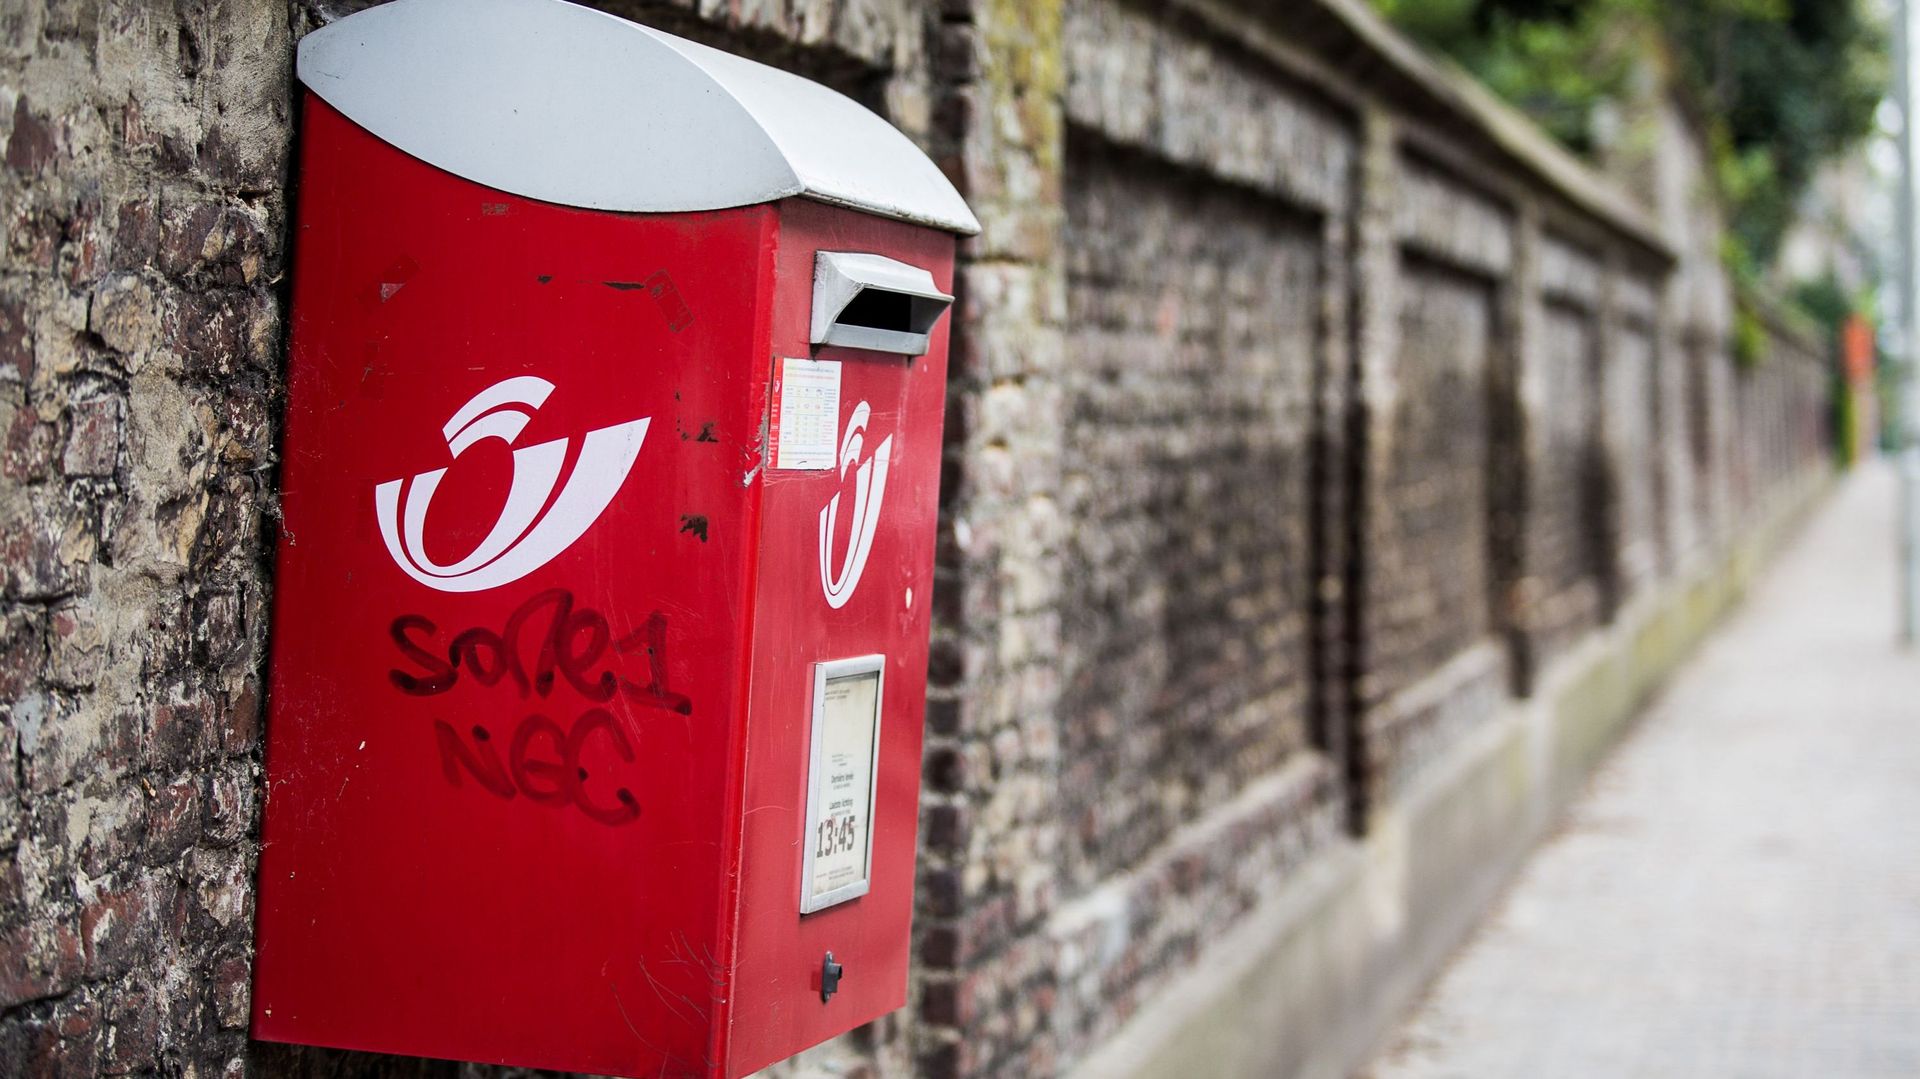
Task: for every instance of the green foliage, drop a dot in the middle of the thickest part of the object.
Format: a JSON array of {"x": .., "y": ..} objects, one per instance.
[
  {"x": 1558, "y": 60},
  {"x": 1749, "y": 338},
  {"x": 1846, "y": 423},
  {"x": 1784, "y": 84},
  {"x": 1788, "y": 84},
  {"x": 1827, "y": 303}
]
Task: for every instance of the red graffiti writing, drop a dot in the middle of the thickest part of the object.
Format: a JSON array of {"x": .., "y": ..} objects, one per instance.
[
  {"x": 542, "y": 763},
  {"x": 546, "y": 642}
]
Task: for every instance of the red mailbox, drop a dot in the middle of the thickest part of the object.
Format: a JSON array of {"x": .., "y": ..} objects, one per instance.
[{"x": 600, "y": 627}]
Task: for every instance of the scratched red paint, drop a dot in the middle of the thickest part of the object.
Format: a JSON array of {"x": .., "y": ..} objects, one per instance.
[{"x": 509, "y": 824}]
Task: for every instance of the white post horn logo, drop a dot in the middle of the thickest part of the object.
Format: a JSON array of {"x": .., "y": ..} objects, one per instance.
[
  {"x": 523, "y": 538},
  {"x": 870, "y": 490}
]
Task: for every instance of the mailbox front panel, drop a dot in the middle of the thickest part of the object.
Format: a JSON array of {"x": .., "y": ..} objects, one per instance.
[
  {"x": 511, "y": 620},
  {"x": 846, "y": 571}
]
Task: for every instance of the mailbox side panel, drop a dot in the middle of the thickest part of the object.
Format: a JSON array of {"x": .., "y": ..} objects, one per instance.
[
  {"x": 777, "y": 1005},
  {"x": 510, "y": 618}
]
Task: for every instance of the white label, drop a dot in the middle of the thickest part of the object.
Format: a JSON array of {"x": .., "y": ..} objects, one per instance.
[
  {"x": 806, "y": 414},
  {"x": 846, "y": 729}
]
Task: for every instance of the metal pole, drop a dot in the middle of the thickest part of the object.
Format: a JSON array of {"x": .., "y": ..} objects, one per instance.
[{"x": 1909, "y": 509}]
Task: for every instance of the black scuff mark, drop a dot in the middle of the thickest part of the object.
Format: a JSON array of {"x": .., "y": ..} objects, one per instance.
[
  {"x": 695, "y": 523},
  {"x": 544, "y": 278},
  {"x": 624, "y": 286}
]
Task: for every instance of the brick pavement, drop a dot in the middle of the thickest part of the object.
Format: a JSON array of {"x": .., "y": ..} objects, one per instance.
[{"x": 1738, "y": 892}]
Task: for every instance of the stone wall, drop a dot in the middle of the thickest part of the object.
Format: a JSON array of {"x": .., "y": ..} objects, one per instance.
[
  {"x": 140, "y": 315},
  {"x": 1305, "y": 408}
]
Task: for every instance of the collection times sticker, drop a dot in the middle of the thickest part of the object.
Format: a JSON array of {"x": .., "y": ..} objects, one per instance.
[{"x": 805, "y": 429}]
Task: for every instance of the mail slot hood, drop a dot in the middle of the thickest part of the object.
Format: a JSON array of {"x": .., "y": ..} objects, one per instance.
[{"x": 564, "y": 104}]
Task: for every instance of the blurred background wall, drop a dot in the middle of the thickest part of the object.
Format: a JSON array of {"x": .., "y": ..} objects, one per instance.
[{"x": 1333, "y": 461}]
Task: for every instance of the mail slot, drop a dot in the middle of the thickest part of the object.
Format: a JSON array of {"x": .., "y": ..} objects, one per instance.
[{"x": 600, "y": 622}]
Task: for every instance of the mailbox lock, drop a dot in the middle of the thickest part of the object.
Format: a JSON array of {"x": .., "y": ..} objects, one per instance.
[{"x": 830, "y": 974}]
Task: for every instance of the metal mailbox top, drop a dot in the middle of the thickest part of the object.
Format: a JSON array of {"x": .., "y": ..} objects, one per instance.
[{"x": 561, "y": 103}]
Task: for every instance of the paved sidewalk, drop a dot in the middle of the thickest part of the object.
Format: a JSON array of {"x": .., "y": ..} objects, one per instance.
[{"x": 1738, "y": 893}]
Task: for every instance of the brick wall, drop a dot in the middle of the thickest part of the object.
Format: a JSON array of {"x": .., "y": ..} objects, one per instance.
[
  {"x": 1297, "y": 421},
  {"x": 1564, "y": 535},
  {"x": 1631, "y": 439},
  {"x": 1191, "y": 355},
  {"x": 1430, "y": 590},
  {"x": 1570, "y": 578}
]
